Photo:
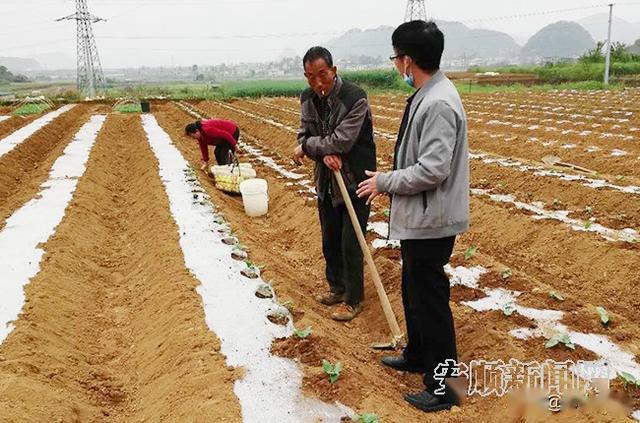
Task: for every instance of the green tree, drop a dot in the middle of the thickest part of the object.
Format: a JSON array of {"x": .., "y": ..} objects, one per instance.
[{"x": 594, "y": 55}]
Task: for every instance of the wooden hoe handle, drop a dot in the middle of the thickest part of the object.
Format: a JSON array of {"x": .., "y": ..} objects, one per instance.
[{"x": 384, "y": 300}]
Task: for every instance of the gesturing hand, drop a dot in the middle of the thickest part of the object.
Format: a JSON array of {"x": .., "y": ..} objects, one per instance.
[{"x": 368, "y": 188}]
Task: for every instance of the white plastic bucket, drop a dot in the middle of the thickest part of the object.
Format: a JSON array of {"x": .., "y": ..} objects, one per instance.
[{"x": 255, "y": 197}]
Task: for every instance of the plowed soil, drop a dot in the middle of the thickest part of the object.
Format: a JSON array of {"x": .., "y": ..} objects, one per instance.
[{"x": 113, "y": 330}]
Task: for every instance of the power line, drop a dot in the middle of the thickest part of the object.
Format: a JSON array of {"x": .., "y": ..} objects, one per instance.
[
  {"x": 219, "y": 37},
  {"x": 531, "y": 14},
  {"x": 45, "y": 43}
]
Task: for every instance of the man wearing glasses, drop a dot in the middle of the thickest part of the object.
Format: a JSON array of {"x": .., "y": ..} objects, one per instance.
[
  {"x": 336, "y": 131},
  {"x": 430, "y": 205}
]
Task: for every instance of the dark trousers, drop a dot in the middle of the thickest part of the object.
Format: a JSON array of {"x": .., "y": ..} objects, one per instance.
[
  {"x": 342, "y": 253},
  {"x": 431, "y": 336},
  {"x": 224, "y": 152}
]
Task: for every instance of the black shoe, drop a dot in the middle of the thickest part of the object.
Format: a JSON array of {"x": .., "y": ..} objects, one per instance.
[
  {"x": 401, "y": 363},
  {"x": 428, "y": 402}
]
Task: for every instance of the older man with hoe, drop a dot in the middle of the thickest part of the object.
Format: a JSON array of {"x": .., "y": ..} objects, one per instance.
[{"x": 336, "y": 132}]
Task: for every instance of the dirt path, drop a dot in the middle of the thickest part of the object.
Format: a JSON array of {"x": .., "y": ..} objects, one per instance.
[
  {"x": 113, "y": 330},
  {"x": 24, "y": 168}
]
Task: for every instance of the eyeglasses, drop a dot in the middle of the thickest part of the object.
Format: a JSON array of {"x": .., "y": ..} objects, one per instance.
[{"x": 397, "y": 56}]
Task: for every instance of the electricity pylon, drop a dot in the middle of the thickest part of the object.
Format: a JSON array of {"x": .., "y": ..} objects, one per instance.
[
  {"x": 416, "y": 10},
  {"x": 90, "y": 77}
]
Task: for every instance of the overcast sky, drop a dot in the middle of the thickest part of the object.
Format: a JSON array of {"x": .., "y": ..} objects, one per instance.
[{"x": 184, "y": 32}]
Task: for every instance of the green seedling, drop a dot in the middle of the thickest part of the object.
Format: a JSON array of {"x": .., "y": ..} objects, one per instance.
[
  {"x": 560, "y": 338},
  {"x": 251, "y": 265},
  {"x": 386, "y": 212},
  {"x": 629, "y": 380},
  {"x": 333, "y": 371},
  {"x": 288, "y": 305},
  {"x": 471, "y": 251},
  {"x": 367, "y": 418},
  {"x": 506, "y": 273},
  {"x": 508, "y": 309},
  {"x": 303, "y": 333},
  {"x": 588, "y": 224},
  {"x": 589, "y": 210},
  {"x": 604, "y": 316},
  {"x": 556, "y": 296},
  {"x": 556, "y": 202}
]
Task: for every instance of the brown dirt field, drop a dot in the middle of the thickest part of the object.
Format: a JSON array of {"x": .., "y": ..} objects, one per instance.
[
  {"x": 293, "y": 262},
  {"x": 478, "y": 140},
  {"x": 24, "y": 168},
  {"x": 13, "y": 123},
  {"x": 607, "y": 271},
  {"x": 113, "y": 330}
]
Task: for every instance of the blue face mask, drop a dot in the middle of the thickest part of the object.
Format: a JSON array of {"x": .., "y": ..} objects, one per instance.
[{"x": 409, "y": 80}]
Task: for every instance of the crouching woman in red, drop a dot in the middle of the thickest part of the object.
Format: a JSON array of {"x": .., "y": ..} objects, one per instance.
[{"x": 222, "y": 134}]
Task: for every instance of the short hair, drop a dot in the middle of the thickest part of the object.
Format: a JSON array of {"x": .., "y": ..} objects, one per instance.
[
  {"x": 422, "y": 41},
  {"x": 315, "y": 53},
  {"x": 193, "y": 127}
]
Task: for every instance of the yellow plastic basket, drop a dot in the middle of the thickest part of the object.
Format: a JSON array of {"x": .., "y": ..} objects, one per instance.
[{"x": 227, "y": 178}]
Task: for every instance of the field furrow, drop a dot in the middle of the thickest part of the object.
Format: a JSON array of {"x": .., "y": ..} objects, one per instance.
[
  {"x": 113, "y": 329},
  {"x": 26, "y": 166}
]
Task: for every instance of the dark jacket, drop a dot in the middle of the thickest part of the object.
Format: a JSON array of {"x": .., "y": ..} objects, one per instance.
[{"x": 338, "y": 124}]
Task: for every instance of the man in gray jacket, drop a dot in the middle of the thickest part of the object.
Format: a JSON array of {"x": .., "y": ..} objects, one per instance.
[
  {"x": 429, "y": 187},
  {"x": 336, "y": 131}
]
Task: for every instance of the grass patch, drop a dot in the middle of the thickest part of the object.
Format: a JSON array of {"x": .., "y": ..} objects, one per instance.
[
  {"x": 253, "y": 89},
  {"x": 170, "y": 90},
  {"x": 129, "y": 108},
  {"x": 576, "y": 72},
  {"x": 372, "y": 80},
  {"x": 473, "y": 88},
  {"x": 30, "y": 109}
]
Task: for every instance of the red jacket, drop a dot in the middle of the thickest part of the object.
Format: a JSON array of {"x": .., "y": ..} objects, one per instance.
[{"x": 215, "y": 132}]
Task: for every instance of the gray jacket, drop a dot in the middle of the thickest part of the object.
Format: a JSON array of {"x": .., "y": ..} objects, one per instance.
[{"x": 430, "y": 188}]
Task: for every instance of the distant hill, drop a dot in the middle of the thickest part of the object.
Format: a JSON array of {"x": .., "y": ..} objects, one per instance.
[
  {"x": 371, "y": 42},
  {"x": 635, "y": 47},
  {"x": 460, "y": 41},
  {"x": 18, "y": 64},
  {"x": 560, "y": 39},
  {"x": 56, "y": 60},
  {"x": 621, "y": 30}
]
